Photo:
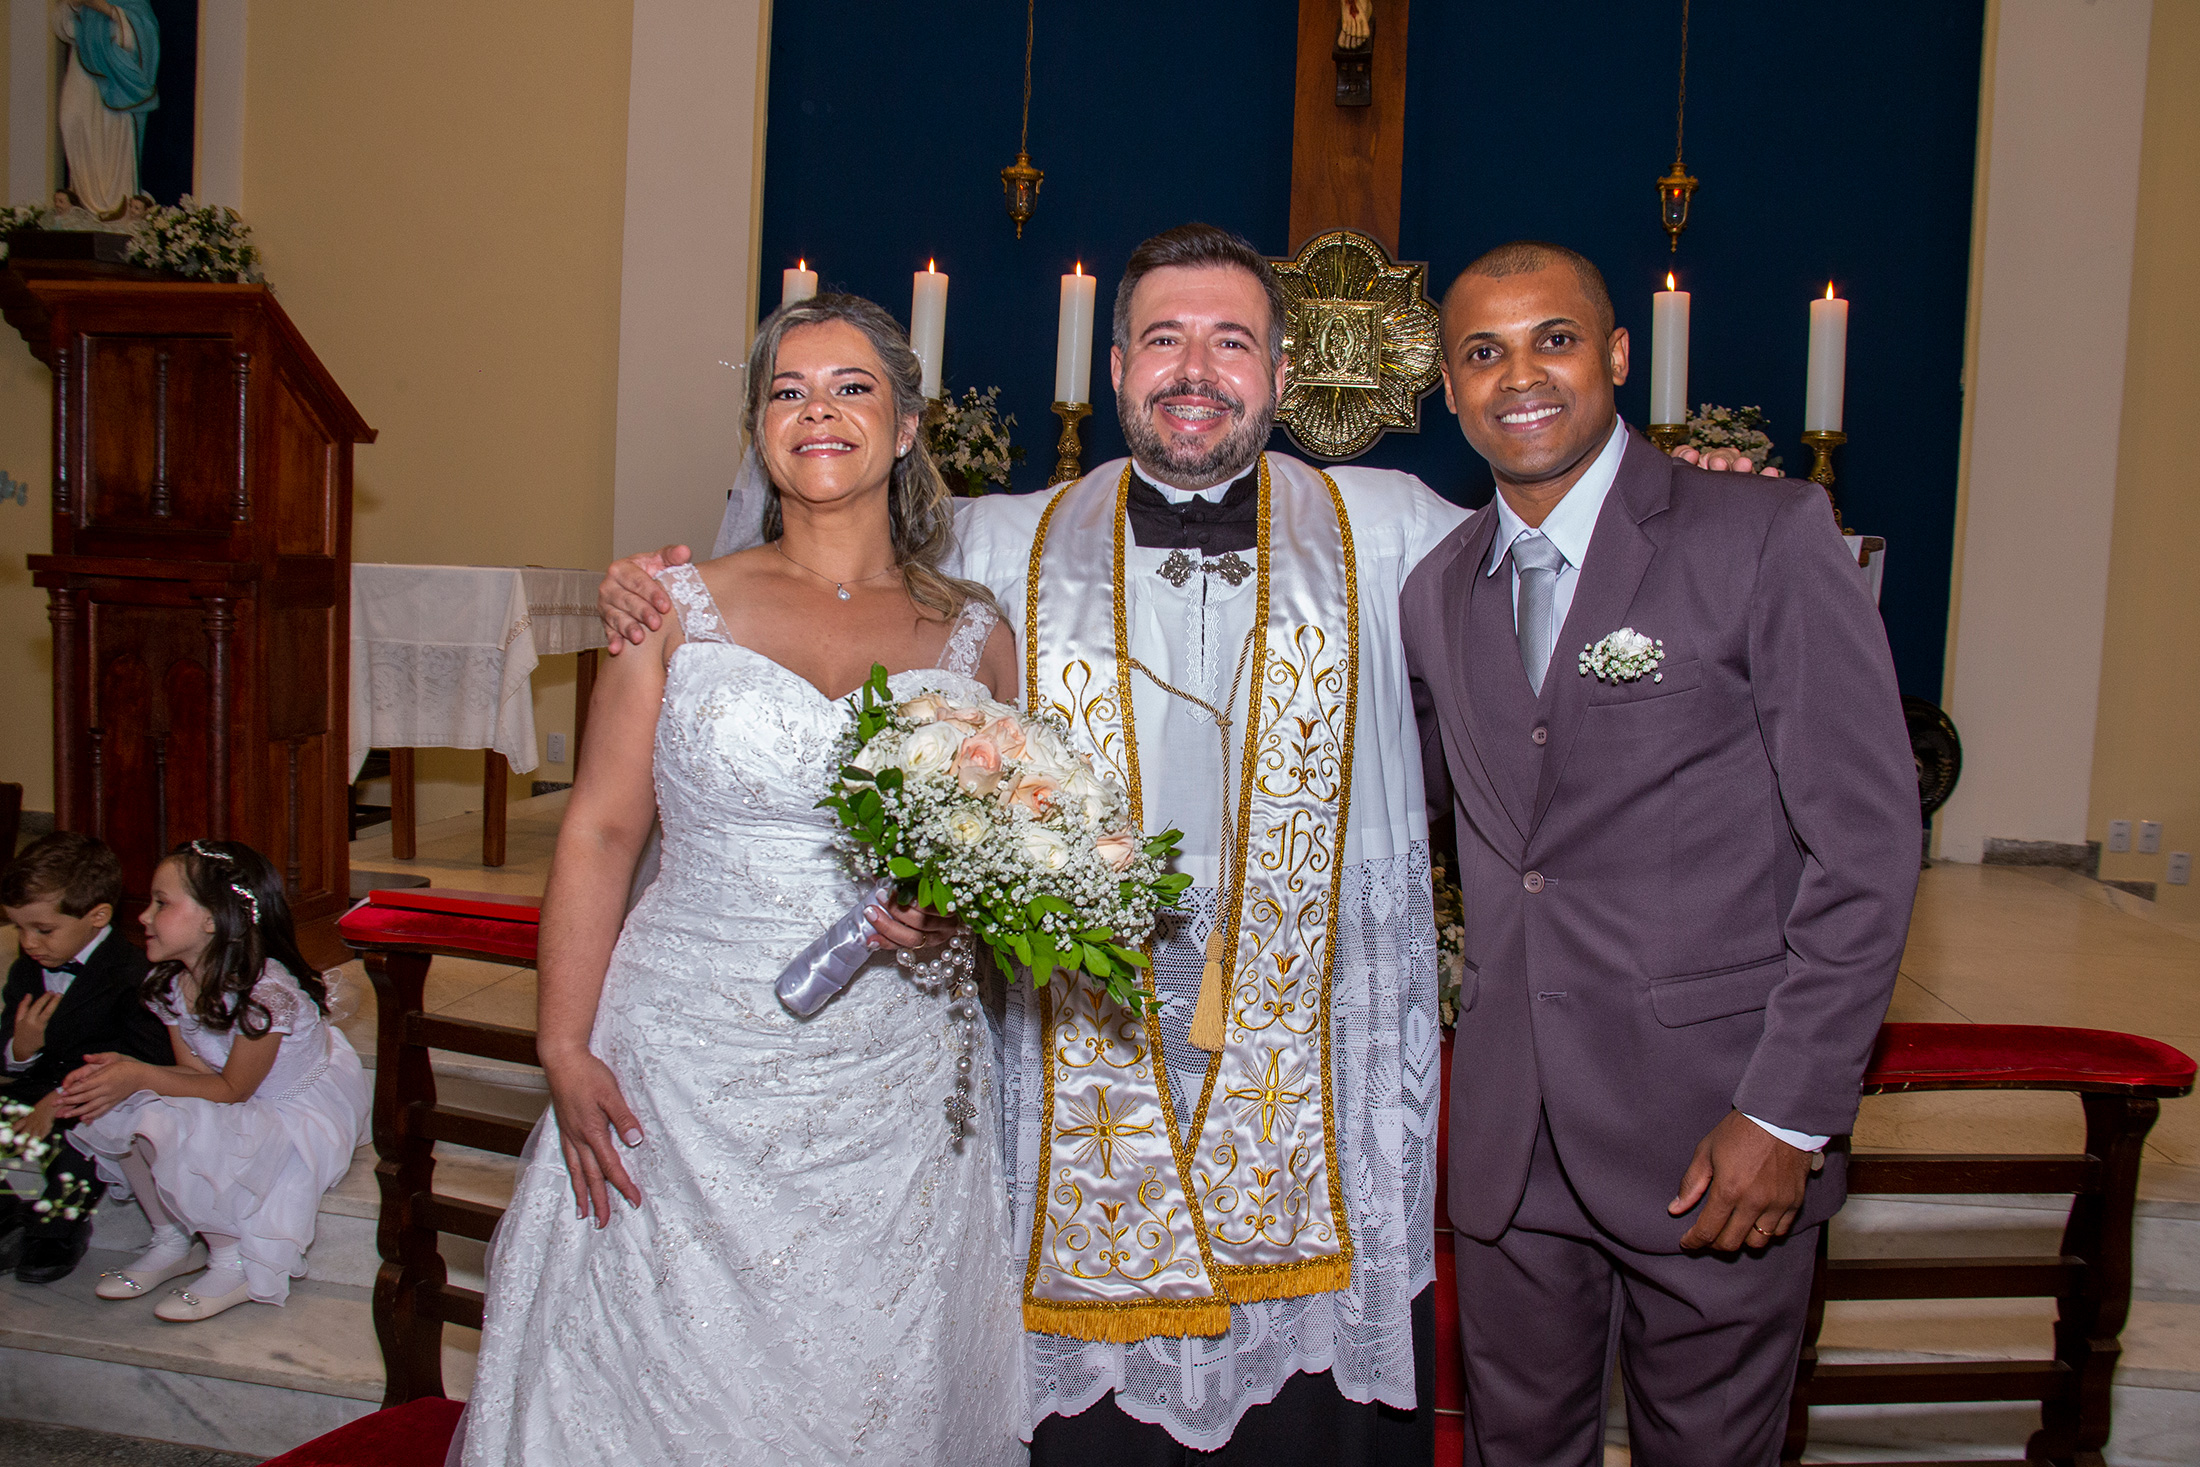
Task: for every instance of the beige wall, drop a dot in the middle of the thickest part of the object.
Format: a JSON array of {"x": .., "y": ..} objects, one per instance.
[
  {"x": 2146, "y": 753},
  {"x": 439, "y": 190},
  {"x": 2061, "y": 138}
]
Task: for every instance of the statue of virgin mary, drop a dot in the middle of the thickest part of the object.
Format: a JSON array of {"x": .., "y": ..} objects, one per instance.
[{"x": 114, "y": 57}]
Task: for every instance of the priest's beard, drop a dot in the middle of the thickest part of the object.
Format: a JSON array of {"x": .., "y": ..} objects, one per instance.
[{"x": 1193, "y": 467}]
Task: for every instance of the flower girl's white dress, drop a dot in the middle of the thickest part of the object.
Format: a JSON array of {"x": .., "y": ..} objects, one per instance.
[
  {"x": 255, "y": 1169},
  {"x": 816, "y": 1273}
]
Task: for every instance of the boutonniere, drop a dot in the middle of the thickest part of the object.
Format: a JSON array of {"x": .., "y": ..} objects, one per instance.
[{"x": 1623, "y": 656}]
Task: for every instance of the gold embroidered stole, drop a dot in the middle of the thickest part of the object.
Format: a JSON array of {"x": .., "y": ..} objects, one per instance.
[{"x": 1136, "y": 1232}]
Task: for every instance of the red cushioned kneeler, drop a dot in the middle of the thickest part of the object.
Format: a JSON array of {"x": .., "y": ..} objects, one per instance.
[{"x": 416, "y": 1434}]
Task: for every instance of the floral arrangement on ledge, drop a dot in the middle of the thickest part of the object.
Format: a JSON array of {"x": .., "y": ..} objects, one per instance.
[
  {"x": 209, "y": 242},
  {"x": 969, "y": 442},
  {"x": 1712, "y": 426}
]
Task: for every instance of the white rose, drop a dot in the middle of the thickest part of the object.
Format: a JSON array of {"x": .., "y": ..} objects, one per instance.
[
  {"x": 968, "y": 827},
  {"x": 871, "y": 758},
  {"x": 930, "y": 749},
  {"x": 1044, "y": 849},
  {"x": 1081, "y": 791}
]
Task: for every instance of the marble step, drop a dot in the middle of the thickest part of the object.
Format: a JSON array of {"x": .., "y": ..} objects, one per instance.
[{"x": 257, "y": 1379}]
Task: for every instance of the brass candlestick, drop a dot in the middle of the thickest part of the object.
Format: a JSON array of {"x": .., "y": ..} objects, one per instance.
[
  {"x": 1069, "y": 461},
  {"x": 1667, "y": 436},
  {"x": 1822, "y": 444}
]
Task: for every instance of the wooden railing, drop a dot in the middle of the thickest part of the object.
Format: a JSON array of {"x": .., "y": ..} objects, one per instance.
[
  {"x": 413, "y": 1295},
  {"x": 2120, "y": 1080}
]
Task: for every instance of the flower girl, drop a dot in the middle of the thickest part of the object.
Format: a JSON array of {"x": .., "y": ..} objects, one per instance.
[{"x": 264, "y": 1106}]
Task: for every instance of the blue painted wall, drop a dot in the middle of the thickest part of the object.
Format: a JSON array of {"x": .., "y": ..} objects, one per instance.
[{"x": 1834, "y": 141}]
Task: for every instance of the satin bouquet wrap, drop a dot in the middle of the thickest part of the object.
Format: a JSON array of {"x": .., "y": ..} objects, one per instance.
[{"x": 985, "y": 813}]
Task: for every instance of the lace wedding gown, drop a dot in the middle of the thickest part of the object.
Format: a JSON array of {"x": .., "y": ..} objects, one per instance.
[{"x": 816, "y": 1274}]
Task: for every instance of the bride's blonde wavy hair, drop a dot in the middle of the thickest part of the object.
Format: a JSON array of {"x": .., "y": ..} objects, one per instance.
[{"x": 920, "y": 510}]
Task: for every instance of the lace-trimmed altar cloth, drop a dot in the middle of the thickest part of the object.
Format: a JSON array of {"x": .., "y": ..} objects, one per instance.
[
  {"x": 817, "y": 1274},
  {"x": 441, "y": 654},
  {"x": 1383, "y": 986}
]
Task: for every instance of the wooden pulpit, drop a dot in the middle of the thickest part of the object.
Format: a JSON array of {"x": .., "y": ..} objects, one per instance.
[{"x": 200, "y": 580}]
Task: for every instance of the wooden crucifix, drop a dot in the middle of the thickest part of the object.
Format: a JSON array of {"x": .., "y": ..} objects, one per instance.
[{"x": 1348, "y": 125}]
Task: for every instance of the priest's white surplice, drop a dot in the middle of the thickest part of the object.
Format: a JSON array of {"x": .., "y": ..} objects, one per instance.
[{"x": 1383, "y": 1002}]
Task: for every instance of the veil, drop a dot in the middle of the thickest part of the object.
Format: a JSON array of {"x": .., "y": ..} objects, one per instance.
[{"x": 743, "y": 524}]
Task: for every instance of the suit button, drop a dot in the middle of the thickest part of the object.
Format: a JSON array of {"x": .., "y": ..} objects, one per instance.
[
  {"x": 1541, "y": 735},
  {"x": 1533, "y": 881}
]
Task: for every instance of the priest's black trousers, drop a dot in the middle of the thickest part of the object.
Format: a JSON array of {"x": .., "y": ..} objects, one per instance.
[{"x": 1308, "y": 1421}]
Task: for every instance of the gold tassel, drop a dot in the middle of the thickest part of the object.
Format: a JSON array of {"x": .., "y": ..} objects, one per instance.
[
  {"x": 1209, "y": 1028},
  {"x": 1127, "y": 1323},
  {"x": 1245, "y": 1283}
]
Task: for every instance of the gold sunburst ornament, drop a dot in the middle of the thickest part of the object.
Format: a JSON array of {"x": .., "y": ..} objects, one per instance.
[{"x": 1363, "y": 340}]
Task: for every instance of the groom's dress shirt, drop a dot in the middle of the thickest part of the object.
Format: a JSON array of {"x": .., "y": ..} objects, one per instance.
[{"x": 1570, "y": 526}]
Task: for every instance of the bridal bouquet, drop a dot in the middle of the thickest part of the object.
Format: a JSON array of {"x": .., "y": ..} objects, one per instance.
[{"x": 986, "y": 814}]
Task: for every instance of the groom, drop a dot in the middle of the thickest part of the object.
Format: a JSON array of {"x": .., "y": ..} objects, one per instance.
[{"x": 1687, "y": 824}]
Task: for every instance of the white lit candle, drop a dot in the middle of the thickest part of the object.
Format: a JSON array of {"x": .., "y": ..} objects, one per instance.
[
  {"x": 1669, "y": 355},
  {"x": 798, "y": 284},
  {"x": 1073, "y": 344},
  {"x": 928, "y": 323},
  {"x": 1829, "y": 363}
]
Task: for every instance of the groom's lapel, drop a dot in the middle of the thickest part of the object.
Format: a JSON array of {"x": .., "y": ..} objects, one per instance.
[
  {"x": 1469, "y": 595},
  {"x": 1619, "y": 554}
]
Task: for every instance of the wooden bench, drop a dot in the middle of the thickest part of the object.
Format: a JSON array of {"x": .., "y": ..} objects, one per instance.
[{"x": 2120, "y": 1080}]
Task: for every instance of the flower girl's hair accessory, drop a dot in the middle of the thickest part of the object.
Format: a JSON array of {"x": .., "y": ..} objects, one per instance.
[{"x": 237, "y": 885}]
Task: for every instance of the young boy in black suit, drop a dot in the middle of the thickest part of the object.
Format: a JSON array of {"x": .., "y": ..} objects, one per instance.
[{"x": 73, "y": 992}]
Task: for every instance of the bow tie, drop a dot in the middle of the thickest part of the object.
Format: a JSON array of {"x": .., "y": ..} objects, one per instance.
[
  {"x": 71, "y": 966},
  {"x": 1200, "y": 526}
]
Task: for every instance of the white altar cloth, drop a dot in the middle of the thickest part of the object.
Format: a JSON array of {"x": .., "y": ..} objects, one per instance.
[{"x": 441, "y": 654}]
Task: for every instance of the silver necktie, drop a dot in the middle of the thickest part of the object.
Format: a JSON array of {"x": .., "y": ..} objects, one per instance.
[{"x": 1537, "y": 561}]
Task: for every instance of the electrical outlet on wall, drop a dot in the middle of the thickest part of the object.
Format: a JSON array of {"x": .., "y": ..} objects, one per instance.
[
  {"x": 2119, "y": 836},
  {"x": 2180, "y": 868},
  {"x": 2150, "y": 837},
  {"x": 557, "y": 748}
]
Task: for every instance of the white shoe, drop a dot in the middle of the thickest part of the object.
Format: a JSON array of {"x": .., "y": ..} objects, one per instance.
[
  {"x": 142, "y": 1277},
  {"x": 188, "y": 1306}
]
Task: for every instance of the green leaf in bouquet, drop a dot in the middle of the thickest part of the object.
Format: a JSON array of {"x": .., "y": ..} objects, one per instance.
[
  {"x": 1096, "y": 960},
  {"x": 1172, "y": 886},
  {"x": 889, "y": 778},
  {"x": 1073, "y": 957},
  {"x": 901, "y": 868},
  {"x": 1164, "y": 845},
  {"x": 1041, "y": 964},
  {"x": 1130, "y": 955},
  {"x": 1021, "y": 943},
  {"x": 1047, "y": 902}
]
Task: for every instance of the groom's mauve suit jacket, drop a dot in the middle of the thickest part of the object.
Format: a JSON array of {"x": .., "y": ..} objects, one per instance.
[{"x": 1684, "y": 896}]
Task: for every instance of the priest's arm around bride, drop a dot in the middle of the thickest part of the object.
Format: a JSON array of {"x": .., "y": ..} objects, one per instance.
[{"x": 743, "y": 1236}]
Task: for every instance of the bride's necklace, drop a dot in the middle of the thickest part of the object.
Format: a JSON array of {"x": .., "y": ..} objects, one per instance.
[{"x": 840, "y": 588}]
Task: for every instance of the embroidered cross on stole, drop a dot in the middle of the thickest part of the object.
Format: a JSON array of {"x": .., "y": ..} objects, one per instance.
[{"x": 1137, "y": 1231}]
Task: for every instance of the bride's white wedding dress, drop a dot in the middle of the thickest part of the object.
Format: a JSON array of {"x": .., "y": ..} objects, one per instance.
[{"x": 816, "y": 1274}]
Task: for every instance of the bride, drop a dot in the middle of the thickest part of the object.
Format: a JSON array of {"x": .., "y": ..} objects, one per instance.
[{"x": 740, "y": 1236}]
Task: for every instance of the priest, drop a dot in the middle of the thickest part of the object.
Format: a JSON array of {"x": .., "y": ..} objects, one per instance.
[{"x": 1230, "y": 1203}]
